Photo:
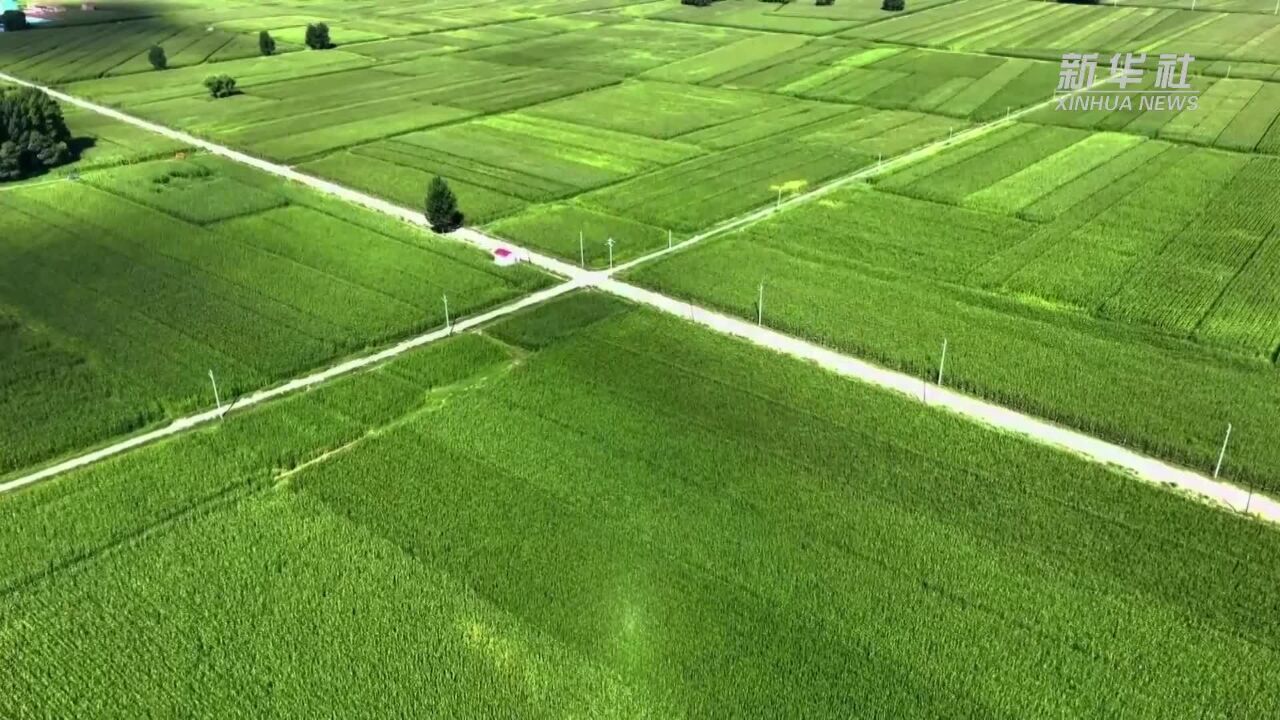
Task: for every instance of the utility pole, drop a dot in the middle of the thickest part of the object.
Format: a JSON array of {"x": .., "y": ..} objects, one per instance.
[
  {"x": 216, "y": 397},
  {"x": 447, "y": 325},
  {"x": 582, "y": 253},
  {"x": 943, "y": 362},
  {"x": 609, "y": 242},
  {"x": 1222, "y": 453},
  {"x": 760, "y": 306}
]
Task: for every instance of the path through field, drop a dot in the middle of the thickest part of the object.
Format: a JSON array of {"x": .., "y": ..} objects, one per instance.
[{"x": 996, "y": 416}]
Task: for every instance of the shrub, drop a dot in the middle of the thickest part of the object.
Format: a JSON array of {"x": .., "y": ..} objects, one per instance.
[
  {"x": 826, "y": 2},
  {"x": 696, "y": 3},
  {"x": 894, "y": 5},
  {"x": 266, "y": 43},
  {"x": 220, "y": 86},
  {"x": 33, "y": 135},
  {"x": 157, "y": 57},
  {"x": 13, "y": 20},
  {"x": 317, "y": 37},
  {"x": 442, "y": 207}
]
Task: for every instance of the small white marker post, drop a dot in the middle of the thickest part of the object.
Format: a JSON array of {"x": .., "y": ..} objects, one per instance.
[
  {"x": 447, "y": 325},
  {"x": 943, "y": 363},
  {"x": 216, "y": 397},
  {"x": 779, "y": 205},
  {"x": 760, "y": 306},
  {"x": 1222, "y": 453},
  {"x": 582, "y": 253},
  {"x": 609, "y": 242},
  {"x": 1277, "y": 10}
]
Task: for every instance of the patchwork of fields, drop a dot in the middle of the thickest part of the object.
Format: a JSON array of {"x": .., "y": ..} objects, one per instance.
[
  {"x": 1057, "y": 263},
  {"x": 587, "y": 509},
  {"x": 568, "y": 515}
]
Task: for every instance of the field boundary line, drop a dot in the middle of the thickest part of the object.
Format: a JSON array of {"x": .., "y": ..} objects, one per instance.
[
  {"x": 302, "y": 383},
  {"x": 987, "y": 413}
]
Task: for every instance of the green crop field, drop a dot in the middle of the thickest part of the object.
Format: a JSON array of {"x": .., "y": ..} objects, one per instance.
[
  {"x": 575, "y": 506},
  {"x": 568, "y": 515},
  {"x": 122, "y": 289}
]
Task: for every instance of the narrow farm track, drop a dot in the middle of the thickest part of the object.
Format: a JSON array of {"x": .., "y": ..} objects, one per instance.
[{"x": 995, "y": 416}]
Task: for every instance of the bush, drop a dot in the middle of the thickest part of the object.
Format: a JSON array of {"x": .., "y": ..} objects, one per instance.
[
  {"x": 266, "y": 43},
  {"x": 826, "y": 2},
  {"x": 317, "y": 37},
  {"x": 894, "y": 5},
  {"x": 33, "y": 135},
  {"x": 157, "y": 57},
  {"x": 696, "y": 3},
  {"x": 442, "y": 207},
  {"x": 220, "y": 86},
  {"x": 13, "y": 20}
]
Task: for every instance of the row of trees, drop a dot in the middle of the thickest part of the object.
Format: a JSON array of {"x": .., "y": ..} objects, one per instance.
[
  {"x": 33, "y": 134},
  {"x": 317, "y": 38}
]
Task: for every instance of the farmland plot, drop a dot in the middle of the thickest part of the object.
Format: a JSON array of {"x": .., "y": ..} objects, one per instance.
[
  {"x": 162, "y": 271},
  {"x": 658, "y": 110},
  {"x": 625, "y": 571},
  {"x": 621, "y": 49},
  {"x": 979, "y": 87},
  {"x": 861, "y": 272}
]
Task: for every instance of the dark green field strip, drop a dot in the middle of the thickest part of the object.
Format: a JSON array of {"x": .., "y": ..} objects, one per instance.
[{"x": 638, "y": 518}]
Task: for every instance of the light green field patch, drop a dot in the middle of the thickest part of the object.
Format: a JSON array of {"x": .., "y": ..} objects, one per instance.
[
  {"x": 840, "y": 69},
  {"x": 622, "y": 151},
  {"x": 659, "y": 110},
  {"x": 1044, "y": 177},
  {"x": 192, "y": 190},
  {"x": 708, "y": 65},
  {"x": 794, "y": 117}
]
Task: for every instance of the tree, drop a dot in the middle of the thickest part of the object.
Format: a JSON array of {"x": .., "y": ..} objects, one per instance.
[
  {"x": 33, "y": 134},
  {"x": 157, "y": 57},
  {"x": 442, "y": 207},
  {"x": 220, "y": 86},
  {"x": 13, "y": 20},
  {"x": 317, "y": 37},
  {"x": 266, "y": 43},
  {"x": 894, "y": 5}
]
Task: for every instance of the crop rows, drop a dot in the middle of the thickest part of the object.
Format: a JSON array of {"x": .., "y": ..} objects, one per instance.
[
  {"x": 664, "y": 520},
  {"x": 728, "y": 183},
  {"x": 1039, "y": 360},
  {"x": 117, "y": 268}
]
